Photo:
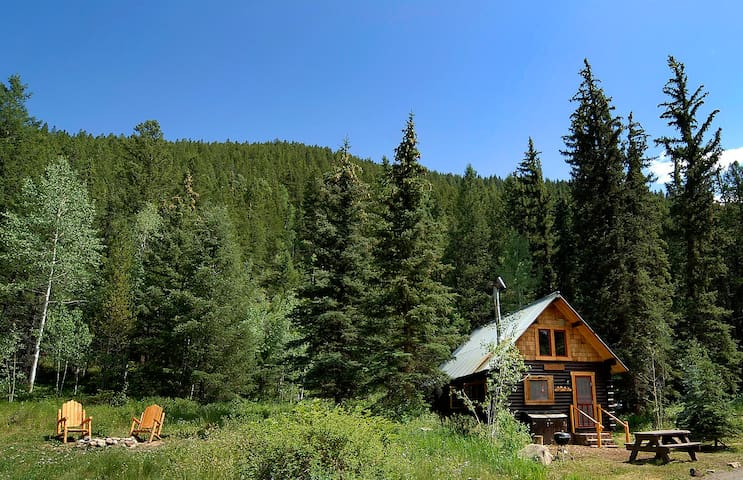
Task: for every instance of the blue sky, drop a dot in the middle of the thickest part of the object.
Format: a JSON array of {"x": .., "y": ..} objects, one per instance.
[{"x": 480, "y": 76}]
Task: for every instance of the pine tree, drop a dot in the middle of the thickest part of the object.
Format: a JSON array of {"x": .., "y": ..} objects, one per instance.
[
  {"x": 645, "y": 305},
  {"x": 149, "y": 165},
  {"x": 330, "y": 313},
  {"x": 20, "y": 157},
  {"x": 706, "y": 403},
  {"x": 193, "y": 335},
  {"x": 414, "y": 331},
  {"x": 695, "y": 218},
  {"x": 564, "y": 259},
  {"x": 532, "y": 216},
  {"x": 733, "y": 223},
  {"x": 470, "y": 252},
  {"x": 593, "y": 151}
]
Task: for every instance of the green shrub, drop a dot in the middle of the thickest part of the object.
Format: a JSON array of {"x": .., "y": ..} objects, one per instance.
[{"x": 316, "y": 441}]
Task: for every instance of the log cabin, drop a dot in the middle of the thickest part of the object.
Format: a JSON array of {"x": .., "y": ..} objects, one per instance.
[{"x": 568, "y": 386}]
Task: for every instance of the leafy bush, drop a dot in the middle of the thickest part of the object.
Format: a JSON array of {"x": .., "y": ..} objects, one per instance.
[
  {"x": 707, "y": 405},
  {"x": 316, "y": 441}
]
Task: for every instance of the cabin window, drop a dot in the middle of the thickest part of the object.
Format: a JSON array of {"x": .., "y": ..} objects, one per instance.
[
  {"x": 545, "y": 348},
  {"x": 561, "y": 347},
  {"x": 552, "y": 343},
  {"x": 538, "y": 390}
]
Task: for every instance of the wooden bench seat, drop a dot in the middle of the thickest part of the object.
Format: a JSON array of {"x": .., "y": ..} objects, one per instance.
[
  {"x": 662, "y": 450},
  {"x": 681, "y": 446}
]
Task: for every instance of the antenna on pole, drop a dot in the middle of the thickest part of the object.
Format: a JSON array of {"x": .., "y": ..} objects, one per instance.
[{"x": 497, "y": 287}]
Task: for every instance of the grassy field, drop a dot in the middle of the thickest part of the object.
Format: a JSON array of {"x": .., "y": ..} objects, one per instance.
[{"x": 311, "y": 440}]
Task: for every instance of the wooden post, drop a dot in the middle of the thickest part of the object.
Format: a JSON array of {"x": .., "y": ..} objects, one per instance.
[
  {"x": 599, "y": 425},
  {"x": 572, "y": 420}
]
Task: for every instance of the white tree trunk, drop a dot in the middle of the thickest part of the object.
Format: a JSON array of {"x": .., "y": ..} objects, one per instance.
[
  {"x": 64, "y": 376},
  {"x": 11, "y": 397},
  {"x": 44, "y": 314},
  {"x": 56, "y": 386},
  {"x": 77, "y": 378}
]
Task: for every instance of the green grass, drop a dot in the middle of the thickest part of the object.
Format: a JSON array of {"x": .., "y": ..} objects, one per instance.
[
  {"x": 308, "y": 441},
  {"x": 248, "y": 440}
]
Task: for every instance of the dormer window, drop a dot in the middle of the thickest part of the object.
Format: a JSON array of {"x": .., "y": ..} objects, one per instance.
[{"x": 552, "y": 343}]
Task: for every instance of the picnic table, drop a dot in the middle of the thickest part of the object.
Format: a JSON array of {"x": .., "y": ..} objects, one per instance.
[{"x": 661, "y": 442}]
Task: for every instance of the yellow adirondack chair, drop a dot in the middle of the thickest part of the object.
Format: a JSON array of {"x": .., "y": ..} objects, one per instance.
[
  {"x": 71, "y": 418},
  {"x": 151, "y": 422}
]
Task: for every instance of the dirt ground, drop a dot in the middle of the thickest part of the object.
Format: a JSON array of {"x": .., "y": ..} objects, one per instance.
[{"x": 588, "y": 462}]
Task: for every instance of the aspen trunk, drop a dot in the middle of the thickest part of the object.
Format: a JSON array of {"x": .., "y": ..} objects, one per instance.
[
  {"x": 77, "y": 378},
  {"x": 64, "y": 376},
  {"x": 44, "y": 314}
]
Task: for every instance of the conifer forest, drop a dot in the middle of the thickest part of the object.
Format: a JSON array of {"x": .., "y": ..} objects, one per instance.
[{"x": 276, "y": 271}]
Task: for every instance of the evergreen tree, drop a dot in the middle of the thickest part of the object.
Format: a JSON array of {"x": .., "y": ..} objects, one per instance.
[
  {"x": 330, "y": 313},
  {"x": 470, "y": 252},
  {"x": 564, "y": 260},
  {"x": 193, "y": 334},
  {"x": 733, "y": 223},
  {"x": 115, "y": 316},
  {"x": 593, "y": 151},
  {"x": 414, "y": 330},
  {"x": 696, "y": 223},
  {"x": 532, "y": 216},
  {"x": 149, "y": 165},
  {"x": 16, "y": 129},
  {"x": 645, "y": 304},
  {"x": 707, "y": 403}
]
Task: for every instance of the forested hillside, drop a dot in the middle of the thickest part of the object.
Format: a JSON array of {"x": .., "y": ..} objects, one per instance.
[{"x": 140, "y": 266}]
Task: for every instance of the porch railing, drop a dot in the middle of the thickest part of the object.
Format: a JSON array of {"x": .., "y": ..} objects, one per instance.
[
  {"x": 599, "y": 424},
  {"x": 624, "y": 424},
  {"x": 574, "y": 417}
]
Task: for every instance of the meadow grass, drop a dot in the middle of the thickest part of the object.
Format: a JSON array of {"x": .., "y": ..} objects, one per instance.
[
  {"x": 312, "y": 440},
  {"x": 242, "y": 439}
]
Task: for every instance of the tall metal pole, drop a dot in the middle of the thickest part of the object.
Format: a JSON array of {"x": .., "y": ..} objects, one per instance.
[
  {"x": 497, "y": 287},
  {"x": 496, "y": 298}
]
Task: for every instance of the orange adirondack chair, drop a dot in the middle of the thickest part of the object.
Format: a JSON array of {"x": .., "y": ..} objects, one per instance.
[
  {"x": 71, "y": 418},
  {"x": 151, "y": 422}
]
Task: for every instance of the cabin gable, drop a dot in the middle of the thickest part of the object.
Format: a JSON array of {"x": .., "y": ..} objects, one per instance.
[{"x": 552, "y": 324}]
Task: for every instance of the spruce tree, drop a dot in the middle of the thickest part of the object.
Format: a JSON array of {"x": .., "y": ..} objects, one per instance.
[
  {"x": 532, "y": 216},
  {"x": 646, "y": 302},
  {"x": 22, "y": 150},
  {"x": 413, "y": 332},
  {"x": 732, "y": 220},
  {"x": 193, "y": 334},
  {"x": 593, "y": 151},
  {"x": 330, "y": 311},
  {"x": 698, "y": 265},
  {"x": 470, "y": 252}
]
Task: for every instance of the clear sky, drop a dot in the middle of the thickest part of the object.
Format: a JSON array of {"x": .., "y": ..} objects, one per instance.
[{"x": 481, "y": 76}]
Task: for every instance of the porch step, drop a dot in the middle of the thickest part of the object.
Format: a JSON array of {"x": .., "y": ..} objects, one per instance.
[{"x": 590, "y": 439}]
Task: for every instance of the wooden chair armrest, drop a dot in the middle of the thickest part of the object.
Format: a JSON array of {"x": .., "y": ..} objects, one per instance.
[
  {"x": 63, "y": 419},
  {"x": 136, "y": 420}
]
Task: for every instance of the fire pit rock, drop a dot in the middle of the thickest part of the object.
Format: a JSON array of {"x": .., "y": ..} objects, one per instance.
[{"x": 129, "y": 442}]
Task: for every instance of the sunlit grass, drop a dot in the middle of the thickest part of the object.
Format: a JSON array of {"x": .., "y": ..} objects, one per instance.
[{"x": 314, "y": 440}]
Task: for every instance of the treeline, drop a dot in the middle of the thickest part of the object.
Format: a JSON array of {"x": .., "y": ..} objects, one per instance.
[{"x": 141, "y": 266}]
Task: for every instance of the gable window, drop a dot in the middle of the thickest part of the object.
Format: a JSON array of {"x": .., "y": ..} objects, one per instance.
[
  {"x": 538, "y": 390},
  {"x": 545, "y": 346},
  {"x": 561, "y": 345},
  {"x": 552, "y": 343}
]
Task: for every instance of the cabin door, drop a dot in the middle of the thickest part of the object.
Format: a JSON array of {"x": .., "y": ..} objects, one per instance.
[{"x": 584, "y": 398}]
